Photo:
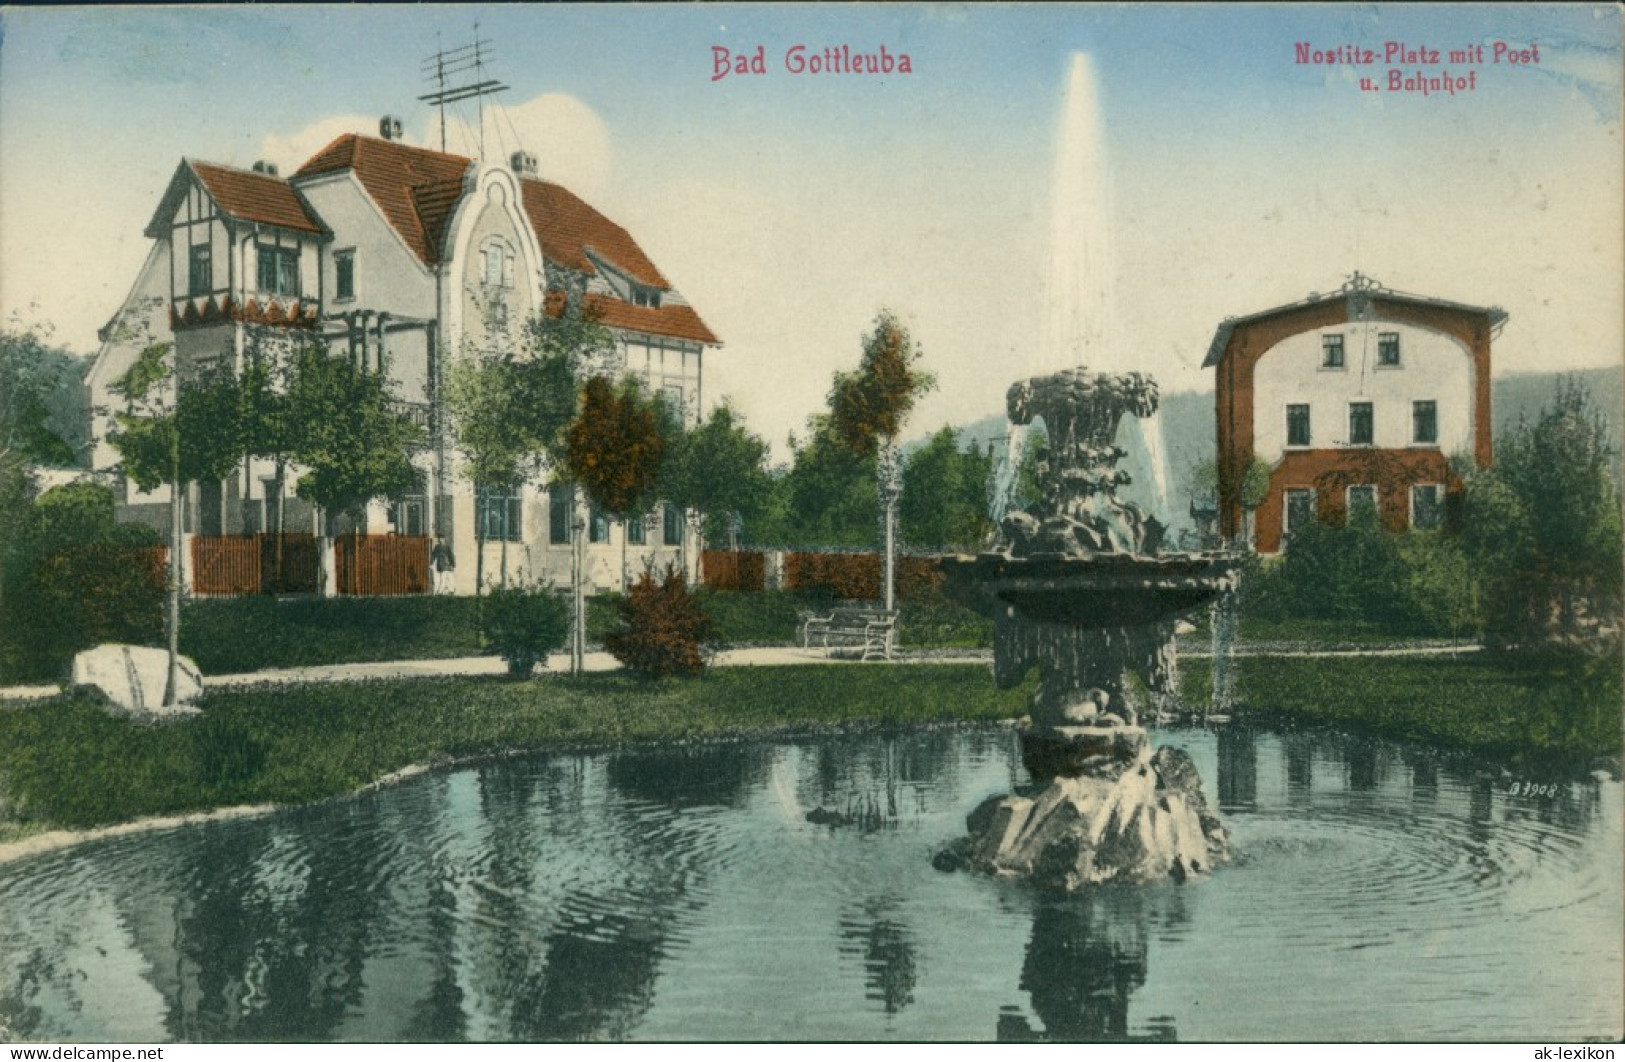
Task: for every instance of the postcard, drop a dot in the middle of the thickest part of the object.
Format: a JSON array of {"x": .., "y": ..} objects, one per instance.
[{"x": 748, "y": 522}]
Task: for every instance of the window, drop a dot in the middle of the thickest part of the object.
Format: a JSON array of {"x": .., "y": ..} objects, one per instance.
[
  {"x": 558, "y": 515},
  {"x": 636, "y": 531},
  {"x": 493, "y": 266},
  {"x": 344, "y": 266},
  {"x": 1361, "y": 426},
  {"x": 673, "y": 525},
  {"x": 407, "y": 515},
  {"x": 279, "y": 270},
  {"x": 673, "y": 394},
  {"x": 1427, "y": 509},
  {"x": 1331, "y": 348},
  {"x": 1362, "y": 497},
  {"x": 1297, "y": 425},
  {"x": 1300, "y": 508},
  {"x": 1425, "y": 422},
  {"x": 645, "y": 296},
  {"x": 1388, "y": 350},
  {"x": 598, "y": 527},
  {"x": 497, "y": 514},
  {"x": 200, "y": 275}
]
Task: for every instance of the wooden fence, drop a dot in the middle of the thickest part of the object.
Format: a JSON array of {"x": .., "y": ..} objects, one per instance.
[
  {"x": 376, "y": 565},
  {"x": 226, "y": 564},
  {"x": 733, "y": 570},
  {"x": 249, "y": 564}
]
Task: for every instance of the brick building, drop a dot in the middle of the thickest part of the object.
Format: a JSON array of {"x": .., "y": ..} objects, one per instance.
[{"x": 1359, "y": 396}]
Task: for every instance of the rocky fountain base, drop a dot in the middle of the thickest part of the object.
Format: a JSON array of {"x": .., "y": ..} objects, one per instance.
[
  {"x": 1136, "y": 819},
  {"x": 1080, "y": 590}
]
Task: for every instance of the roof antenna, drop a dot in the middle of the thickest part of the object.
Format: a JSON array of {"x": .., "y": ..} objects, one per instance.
[{"x": 444, "y": 70}]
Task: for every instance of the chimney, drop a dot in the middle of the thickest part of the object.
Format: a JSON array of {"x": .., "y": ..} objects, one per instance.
[
  {"x": 267, "y": 168},
  {"x": 389, "y": 127},
  {"x": 523, "y": 163}
]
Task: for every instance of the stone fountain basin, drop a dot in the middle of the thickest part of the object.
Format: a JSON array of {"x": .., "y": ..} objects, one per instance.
[{"x": 1104, "y": 590}]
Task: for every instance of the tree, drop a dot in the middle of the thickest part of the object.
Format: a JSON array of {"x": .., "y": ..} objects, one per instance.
[
  {"x": 830, "y": 492},
  {"x": 613, "y": 447},
  {"x": 720, "y": 469},
  {"x": 1543, "y": 525},
  {"x": 352, "y": 443},
  {"x": 867, "y": 410},
  {"x": 481, "y": 396},
  {"x": 944, "y": 501},
  {"x": 191, "y": 434}
]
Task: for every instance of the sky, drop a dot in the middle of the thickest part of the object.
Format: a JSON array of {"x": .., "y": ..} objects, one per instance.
[{"x": 790, "y": 208}]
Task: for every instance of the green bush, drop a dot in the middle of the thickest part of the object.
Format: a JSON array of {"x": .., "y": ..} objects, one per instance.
[
  {"x": 83, "y": 596},
  {"x": 523, "y": 623},
  {"x": 662, "y": 628}
]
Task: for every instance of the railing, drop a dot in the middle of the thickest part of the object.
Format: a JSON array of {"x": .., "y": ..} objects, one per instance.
[
  {"x": 377, "y": 565},
  {"x": 416, "y": 412}
]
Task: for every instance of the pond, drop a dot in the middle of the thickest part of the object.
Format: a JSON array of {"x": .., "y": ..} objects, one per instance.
[{"x": 1378, "y": 892}]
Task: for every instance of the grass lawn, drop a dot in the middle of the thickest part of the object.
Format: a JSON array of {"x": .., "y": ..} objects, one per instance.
[
  {"x": 1514, "y": 707},
  {"x": 68, "y": 763},
  {"x": 64, "y": 762}
]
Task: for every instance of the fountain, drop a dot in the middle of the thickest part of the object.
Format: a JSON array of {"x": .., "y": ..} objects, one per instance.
[{"x": 1078, "y": 586}]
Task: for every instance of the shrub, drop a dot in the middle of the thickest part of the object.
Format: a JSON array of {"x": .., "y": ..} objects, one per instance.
[
  {"x": 83, "y": 596},
  {"x": 523, "y": 623},
  {"x": 662, "y": 628}
]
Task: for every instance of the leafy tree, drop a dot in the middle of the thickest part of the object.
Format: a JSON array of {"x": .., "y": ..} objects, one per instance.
[
  {"x": 868, "y": 408},
  {"x": 176, "y": 431},
  {"x": 1543, "y": 525},
  {"x": 613, "y": 448},
  {"x": 351, "y": 442},
  {"x": 31, "y": 372},
  {"x": 944, "y": 501},
  {"x": 720, "y": 469},
  {"x": 482, "y": 398},
  {"x": 830, "y": 491}
]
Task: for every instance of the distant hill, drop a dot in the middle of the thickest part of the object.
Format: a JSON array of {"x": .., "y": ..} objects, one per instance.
[{"x": 1188, "y": 428}]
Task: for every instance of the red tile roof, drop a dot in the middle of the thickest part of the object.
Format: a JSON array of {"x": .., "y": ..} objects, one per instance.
[
  {"x": 418, "y": 190},
  {"x": 392, "y": 172},
  {"x": 567, "y": 227},
  {"x": 678, "y": 322},
  {"x": 256, "y": 197}
]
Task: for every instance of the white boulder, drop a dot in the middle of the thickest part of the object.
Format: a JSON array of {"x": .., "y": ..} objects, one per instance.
[{"x": 134, "y": 676}]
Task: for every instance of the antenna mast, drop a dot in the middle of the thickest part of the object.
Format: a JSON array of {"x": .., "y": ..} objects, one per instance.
[{"x": 449, "y": 73}]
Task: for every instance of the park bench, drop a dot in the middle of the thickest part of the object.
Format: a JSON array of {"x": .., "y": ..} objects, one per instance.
[{"x": 867, "y": 628}]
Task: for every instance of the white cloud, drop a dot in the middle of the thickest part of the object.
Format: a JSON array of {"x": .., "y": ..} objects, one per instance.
[{"x": 289, "y": 151}]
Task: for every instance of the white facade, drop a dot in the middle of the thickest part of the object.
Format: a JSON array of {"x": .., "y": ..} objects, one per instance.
[
  {"x": 1431, "y": 368},
  {"x": 403, "y": 301}
]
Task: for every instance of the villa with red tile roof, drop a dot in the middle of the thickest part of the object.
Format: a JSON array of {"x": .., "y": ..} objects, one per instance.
[{"x": 402, "y": 259}]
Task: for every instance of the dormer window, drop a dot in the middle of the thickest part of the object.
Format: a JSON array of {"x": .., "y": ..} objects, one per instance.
[
  {"x": 279, "y": 270},
  {"x": 643, "y": 295}
]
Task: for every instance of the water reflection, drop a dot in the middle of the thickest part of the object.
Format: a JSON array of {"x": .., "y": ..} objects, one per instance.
[
  {"x": 683, "y": 894},
  {"x": 1086, "y": 957},
  {"x": 878, "y": 939}
]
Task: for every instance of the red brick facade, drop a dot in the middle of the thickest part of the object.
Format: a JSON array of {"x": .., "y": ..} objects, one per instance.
[{"x": 1235, "y": 354}]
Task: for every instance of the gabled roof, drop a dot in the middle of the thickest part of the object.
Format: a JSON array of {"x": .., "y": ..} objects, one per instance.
[
  {"x": 1358, "y": 290},
  {"x": 393, "y": 174},
  {"x": 568, "y": 227},
  {"x": 418, "y": 190},
  {"x": 244, "y": 195}
]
